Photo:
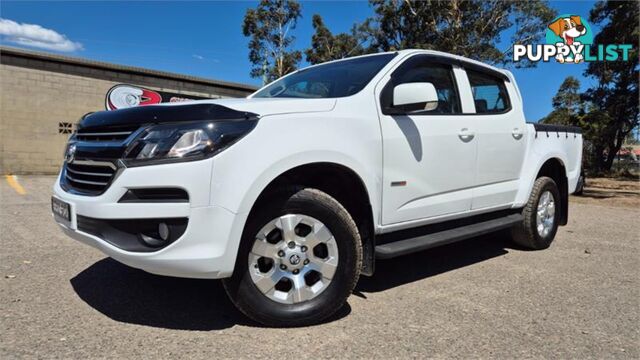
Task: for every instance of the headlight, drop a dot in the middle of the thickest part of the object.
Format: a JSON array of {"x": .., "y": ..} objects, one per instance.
[{"x": 184, "y": 142}]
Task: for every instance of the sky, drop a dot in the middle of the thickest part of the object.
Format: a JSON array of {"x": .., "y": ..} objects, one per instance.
[{"x": 205, "y": 38}]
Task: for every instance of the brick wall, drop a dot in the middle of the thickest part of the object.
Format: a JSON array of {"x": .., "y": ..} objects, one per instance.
[{"x": 37, "y": 94}]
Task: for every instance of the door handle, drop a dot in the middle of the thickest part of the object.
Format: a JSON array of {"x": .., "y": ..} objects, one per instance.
[
  {"x": 465, "y": 135},
  {"x": 517, "y": 133}
]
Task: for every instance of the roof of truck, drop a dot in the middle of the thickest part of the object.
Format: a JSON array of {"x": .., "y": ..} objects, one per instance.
[
  {"x": 449, "y": 55},
  {"x": 455, "y": 58}
]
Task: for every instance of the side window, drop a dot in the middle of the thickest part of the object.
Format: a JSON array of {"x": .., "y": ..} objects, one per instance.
[
  {"x": 489, "y": 93},
  {"x": 440, "y": 75}
]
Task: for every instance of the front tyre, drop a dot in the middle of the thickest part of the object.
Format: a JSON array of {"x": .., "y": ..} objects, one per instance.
[
  {"x": 299, "y": 259},
  {"x": 541, "y": 216}
]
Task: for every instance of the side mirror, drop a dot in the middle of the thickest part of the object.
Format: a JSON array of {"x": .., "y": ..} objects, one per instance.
[{"x": 414, "y": 97}]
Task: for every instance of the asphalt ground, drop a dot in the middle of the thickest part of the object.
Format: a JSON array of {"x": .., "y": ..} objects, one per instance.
[{"x": 481, "y": 298}]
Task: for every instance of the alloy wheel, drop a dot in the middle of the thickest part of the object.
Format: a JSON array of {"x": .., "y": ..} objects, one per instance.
[{"x": 293, "y": 259}]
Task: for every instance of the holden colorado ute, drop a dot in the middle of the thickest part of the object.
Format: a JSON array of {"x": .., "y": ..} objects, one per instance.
[{"x": 292, "y": 193}]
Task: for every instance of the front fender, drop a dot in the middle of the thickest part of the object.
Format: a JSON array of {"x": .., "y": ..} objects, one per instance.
[
  {"x": 269, "y": 173},
  {"x": 248, "y": 192}
]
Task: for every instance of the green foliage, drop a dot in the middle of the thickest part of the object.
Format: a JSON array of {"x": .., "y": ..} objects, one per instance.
[
  {"x": 616, "y": 93},
  {"x": 326, "y": 47},
  {"x": 595, "y": 124},
  {"x": 567, "y": 104},
  {"x": 559, "y": 117},
  {"x": 268, "y": 26},
  {"x": 568, "y": 96},
  {"x": 469, "y": 28}
]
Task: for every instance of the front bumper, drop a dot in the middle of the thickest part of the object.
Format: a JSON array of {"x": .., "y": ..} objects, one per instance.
[{"x": 207, "y": 248}]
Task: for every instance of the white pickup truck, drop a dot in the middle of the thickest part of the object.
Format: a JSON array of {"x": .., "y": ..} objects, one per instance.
[{"x": 291, "y": 194}]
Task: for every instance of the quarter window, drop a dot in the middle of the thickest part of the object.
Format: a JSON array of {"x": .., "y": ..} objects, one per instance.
[{"x": 489, "y": 93}]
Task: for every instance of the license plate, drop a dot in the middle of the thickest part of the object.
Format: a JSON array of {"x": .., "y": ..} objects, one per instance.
[{"x": 61, "y": 209}]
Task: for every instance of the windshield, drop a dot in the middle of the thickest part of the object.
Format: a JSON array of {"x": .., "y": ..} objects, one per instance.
[{"x": 338, "y": 79}]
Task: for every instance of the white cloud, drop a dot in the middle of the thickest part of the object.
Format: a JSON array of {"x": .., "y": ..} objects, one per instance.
[
  {"x": 202, "y": 58},
  {"x": 36, "y": 36}
]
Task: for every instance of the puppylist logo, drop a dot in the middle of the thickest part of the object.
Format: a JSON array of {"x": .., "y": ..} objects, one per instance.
[{"x": 569, "y": 40}]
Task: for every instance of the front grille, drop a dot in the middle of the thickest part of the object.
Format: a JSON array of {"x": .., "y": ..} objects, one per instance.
[
  {"x": 88, "y": 177},
  {"x": 105, "y": 134},
  {"x": 95, "y": 152}
]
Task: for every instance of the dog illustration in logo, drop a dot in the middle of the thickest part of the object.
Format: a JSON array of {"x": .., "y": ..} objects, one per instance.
[{"x": 568, "y": 28}]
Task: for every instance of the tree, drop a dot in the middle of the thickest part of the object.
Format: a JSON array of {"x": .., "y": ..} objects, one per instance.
[
  {"x": 469, "y": 28},
  {"x": 595, "y": 125},
  {"x": 567, "y": 104},
  {"x": 616, "y": 93},
  {"x": 268, "y": 25},
  {"x": 326, "y": 47},
  {"x": 558, "y": 117},
  {"x": 568, "y": 96}
]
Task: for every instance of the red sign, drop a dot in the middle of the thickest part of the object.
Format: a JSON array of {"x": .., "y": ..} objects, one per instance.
[{"x": 124, "y": 96}]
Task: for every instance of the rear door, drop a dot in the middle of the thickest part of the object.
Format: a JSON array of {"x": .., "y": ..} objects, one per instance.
[
  {"x": 499, "y": 126},
  {"x": 429, "y": 158}
]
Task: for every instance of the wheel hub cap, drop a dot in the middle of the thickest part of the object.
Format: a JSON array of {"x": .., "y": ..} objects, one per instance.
[
  {"x": 545, "y": 216},
  {"x": 293, "y": 258}
]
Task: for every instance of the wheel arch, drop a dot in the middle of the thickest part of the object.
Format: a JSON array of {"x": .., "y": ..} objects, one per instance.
[
  {"x": 341, "y": 182},
  {"x": 554, "y": 167}
]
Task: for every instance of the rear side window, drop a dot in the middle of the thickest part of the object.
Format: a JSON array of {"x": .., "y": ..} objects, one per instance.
[{"x": 489, "y": 93}]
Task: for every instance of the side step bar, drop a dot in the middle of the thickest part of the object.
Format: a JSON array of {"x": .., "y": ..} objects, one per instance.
[{"x": 423, "y": 242}]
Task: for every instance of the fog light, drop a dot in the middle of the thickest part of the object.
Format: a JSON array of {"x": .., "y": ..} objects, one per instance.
[
  {"x": 163, "y": 231},
  {"x": 151, "y": 241}
]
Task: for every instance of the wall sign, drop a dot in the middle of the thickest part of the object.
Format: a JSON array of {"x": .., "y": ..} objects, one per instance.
[{"x": 124, "y": 96}]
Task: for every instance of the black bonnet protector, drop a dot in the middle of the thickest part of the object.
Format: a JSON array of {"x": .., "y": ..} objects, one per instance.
[{"x": 157, "y": 114}]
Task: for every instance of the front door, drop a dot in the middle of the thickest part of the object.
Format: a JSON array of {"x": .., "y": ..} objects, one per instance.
[{"x": 429, "y": 158}]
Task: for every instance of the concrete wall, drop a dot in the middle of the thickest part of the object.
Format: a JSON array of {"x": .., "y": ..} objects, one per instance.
[{"x": 39, "y": 92}]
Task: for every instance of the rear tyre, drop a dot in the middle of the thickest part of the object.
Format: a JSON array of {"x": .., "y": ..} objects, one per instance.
[
  {"x": 541, "y": 216},
  {"x": 299, "y": 259}
]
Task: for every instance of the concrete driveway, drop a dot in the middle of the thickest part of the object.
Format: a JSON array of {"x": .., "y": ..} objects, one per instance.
[{"x": 479, "y": 298}]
